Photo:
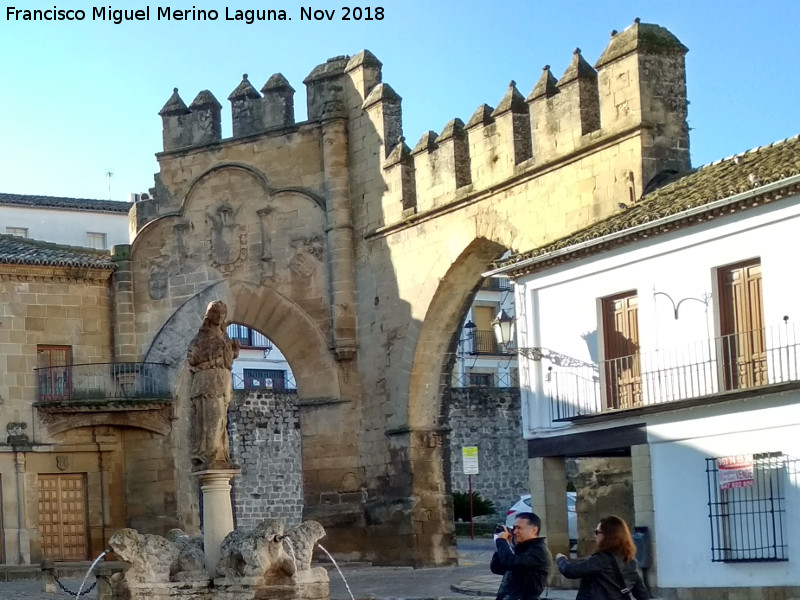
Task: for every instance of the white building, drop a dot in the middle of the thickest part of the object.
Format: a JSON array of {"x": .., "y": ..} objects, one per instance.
[
  {"x": 83, "y": 222},
  {"x": 666, "y": 335},
  {"x": 480, "y": 360}
]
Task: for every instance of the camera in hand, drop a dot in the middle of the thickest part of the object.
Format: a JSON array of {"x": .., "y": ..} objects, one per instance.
[{"x": 499, "y": 528}]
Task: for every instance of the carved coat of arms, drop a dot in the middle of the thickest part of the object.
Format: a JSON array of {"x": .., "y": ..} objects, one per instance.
[
  {"x": 228, "y": 240},
  {"x": 307, "y": 253}
]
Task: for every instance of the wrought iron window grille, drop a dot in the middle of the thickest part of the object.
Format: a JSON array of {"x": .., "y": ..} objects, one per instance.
[{"x": 748, "y": 515}]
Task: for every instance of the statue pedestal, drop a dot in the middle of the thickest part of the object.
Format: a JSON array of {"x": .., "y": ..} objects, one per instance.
[{"x": 217, "y": 512}]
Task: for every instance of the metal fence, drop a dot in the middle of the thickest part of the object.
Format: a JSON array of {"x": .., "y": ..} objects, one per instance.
[
  {"x": 496, "y": 284},
  {"x": 747, "y": 506},
  {"x": 102, "y": 381},
  {"x": 471, "y": 380},
  {"x": 727, "y": 363},
  {"x": 276, "y": 384},
  {"x": 484, "y": 342}
]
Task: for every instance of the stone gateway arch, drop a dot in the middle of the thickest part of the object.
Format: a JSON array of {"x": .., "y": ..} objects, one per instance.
[{"x": 359, "y": 255}]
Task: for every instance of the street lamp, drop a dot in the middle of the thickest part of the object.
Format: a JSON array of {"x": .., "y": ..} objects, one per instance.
[{"x": 503, "y": 327}]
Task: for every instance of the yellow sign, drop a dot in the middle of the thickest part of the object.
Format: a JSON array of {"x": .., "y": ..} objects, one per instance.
[{"x": 469, "y": 458}]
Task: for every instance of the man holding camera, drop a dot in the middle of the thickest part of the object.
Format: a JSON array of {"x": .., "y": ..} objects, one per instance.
[{"x": 525, "y": 566}]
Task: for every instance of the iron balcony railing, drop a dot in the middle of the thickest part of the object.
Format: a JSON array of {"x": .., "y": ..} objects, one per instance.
[
  {"x": 281, "y": 383},
  {"x": 500, "y": 380},
  {"x": 732, "y": 362},
  {"x": 103, "y": 381},
  {"x": 484, "y": 342},
  {"x": 496, "y": 284}
]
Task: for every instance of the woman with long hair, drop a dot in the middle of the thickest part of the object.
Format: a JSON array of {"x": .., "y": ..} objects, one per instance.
[{"x": 613, "y": 559}]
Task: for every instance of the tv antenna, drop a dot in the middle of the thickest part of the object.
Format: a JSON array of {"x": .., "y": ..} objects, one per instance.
[{"x": 109, "y": 175}]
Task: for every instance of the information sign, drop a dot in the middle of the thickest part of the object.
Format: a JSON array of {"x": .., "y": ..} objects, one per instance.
[{"x": 469, "y": 457}]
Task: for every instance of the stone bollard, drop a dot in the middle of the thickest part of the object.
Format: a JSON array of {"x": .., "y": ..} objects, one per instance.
[{"x": 49, "y": 576}]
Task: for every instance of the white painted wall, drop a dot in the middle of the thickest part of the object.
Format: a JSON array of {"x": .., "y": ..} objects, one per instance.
[
  {"x": 563, "y": 303},
  {"x": 560, "y": 306},
  {"x": 65, "y": 226},
  {"x": 678, "y": 450}
]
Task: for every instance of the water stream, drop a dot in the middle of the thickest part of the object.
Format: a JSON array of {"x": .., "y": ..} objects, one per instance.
[
  {"x": 291, "y": 548},
  {"x": 85, "y": 577},
  {"x": 347, "y": 585}
]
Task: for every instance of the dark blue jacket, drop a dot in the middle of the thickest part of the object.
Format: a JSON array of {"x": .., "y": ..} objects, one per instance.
[{"x": 524, "y": 569}]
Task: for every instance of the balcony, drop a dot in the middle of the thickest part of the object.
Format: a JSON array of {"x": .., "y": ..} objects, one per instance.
[
  {"x": 485, "y": 342},
  {"x": 485, "y": 380},
  {"x": 496, "y": 284},
  {"x": 280, "y": 381},
  {"x": 102, "y": 383},
  {"x": 724, "y": 365},
  {"x": 134, "y": 395}
]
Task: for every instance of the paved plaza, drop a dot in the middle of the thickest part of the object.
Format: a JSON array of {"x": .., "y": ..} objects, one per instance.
[{"x": 471, "y": 579}]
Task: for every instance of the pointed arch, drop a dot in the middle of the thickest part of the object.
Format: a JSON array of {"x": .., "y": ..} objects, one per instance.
[{"x": 440, "y": 330}]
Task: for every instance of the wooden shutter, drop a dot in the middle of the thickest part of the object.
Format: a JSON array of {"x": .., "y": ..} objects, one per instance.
[
  {"x": 743, "y": 343},
  {"x": 623, "y": 382}
]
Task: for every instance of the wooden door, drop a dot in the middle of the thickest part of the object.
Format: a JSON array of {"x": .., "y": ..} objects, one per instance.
[
  {"x": 62, "y": 516},
  {"x": 623, "y": 379},
  {"x": 741, "y": 310}
]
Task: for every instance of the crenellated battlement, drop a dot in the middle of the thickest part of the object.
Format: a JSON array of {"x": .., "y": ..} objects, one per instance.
[{"x": 637, "y": 87}]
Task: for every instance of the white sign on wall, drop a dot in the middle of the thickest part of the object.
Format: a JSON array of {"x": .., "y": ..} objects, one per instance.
[
  {"x": 735, "y": 471},
  {"x": 469, "y": 458}
]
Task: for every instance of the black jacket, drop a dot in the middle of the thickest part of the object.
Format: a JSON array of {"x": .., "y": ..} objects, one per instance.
[
  {"x": 598, "y": 578},
  {"x": 524, "y": 569}
]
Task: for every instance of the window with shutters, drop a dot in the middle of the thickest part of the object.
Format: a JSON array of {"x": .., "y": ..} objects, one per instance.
[
  {"x": 742, "y": 345},
  {"x": 620, "y": 368},
  {"x": 53, "y": 370}
]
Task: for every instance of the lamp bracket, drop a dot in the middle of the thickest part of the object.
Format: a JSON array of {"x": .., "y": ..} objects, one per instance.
[{"x": 557, "y": 358}]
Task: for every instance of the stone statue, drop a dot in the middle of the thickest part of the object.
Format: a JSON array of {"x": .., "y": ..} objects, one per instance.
[
  {"x": 256, "y": 552},
  {"x": 152, "y": 558},
  {"x": 211, "y": 355}
]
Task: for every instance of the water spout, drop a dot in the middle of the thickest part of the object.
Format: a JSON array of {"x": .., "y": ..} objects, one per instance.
[
  {"x": 288, "y": 540},
  {"x": 91, "y": 568},
  {"x": 347, "y": 585}
]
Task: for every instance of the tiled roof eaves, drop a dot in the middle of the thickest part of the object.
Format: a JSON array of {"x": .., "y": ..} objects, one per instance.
[
  {"x": 614, "y": 239},
  {"x": 57, "y": 202},
  {"x": 20, "y": 251}
]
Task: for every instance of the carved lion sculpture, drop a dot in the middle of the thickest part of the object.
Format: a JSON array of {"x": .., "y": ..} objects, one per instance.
[
  {"x": 303, "y": 538},
  {"x": 191, "y": 560},
  {"x": 151, "y": 556},
  {"x": 255, "y": 553}
]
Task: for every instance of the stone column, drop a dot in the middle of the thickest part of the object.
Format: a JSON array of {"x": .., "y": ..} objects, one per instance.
[
  {"x": 123, "y": 311},
  {"x": 217, "y": 512},
  {"x": 339, "y": 230}
]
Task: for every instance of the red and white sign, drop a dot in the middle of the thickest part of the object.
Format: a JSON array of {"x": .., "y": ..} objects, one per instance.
[{"x": 735, "y": 471}]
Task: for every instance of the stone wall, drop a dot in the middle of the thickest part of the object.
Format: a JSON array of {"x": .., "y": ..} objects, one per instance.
[
  {"x": 488, "y": 418},
  {"x": 265, "y": 440}
]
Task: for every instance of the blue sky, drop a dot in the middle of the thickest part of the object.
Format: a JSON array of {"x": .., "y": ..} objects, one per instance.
[{"x": 78, "y": 99}]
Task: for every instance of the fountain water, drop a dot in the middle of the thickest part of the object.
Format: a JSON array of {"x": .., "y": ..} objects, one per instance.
[
  {"x": 91, "y": 568},
  {"x": 291, "y": 549},
  {"x": 347, "y": 585}
]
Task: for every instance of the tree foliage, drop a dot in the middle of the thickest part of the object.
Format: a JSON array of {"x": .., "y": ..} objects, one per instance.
[{"x": 480, "y": 505}]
